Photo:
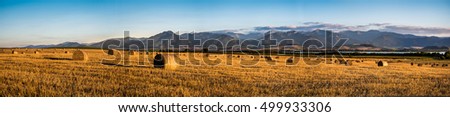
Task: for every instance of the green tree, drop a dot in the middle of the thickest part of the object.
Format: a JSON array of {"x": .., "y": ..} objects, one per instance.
[{"x": 447, "y": 54}]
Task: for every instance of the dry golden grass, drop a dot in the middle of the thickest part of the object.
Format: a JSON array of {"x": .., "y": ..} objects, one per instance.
[{"x": 36, "y": 75}]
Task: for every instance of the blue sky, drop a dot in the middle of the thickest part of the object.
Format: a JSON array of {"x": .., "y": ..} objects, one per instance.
[{"x": 26, "y": 22}]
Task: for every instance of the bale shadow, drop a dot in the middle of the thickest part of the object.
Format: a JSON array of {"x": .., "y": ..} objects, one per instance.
[{"x": 57, "y": 58}]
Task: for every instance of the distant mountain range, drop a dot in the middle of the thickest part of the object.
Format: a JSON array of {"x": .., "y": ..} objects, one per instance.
[
  {"x": 371, "y": 38},
  {"x": 63, "y": 45}
]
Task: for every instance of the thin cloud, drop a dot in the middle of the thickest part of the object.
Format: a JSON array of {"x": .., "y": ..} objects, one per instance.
[{"x": 310, "y": 26}]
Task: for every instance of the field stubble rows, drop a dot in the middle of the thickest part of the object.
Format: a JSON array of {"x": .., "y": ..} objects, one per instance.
[{"x": 36, "y": 75}]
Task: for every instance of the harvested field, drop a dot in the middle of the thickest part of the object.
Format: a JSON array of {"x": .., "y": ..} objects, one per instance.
[{"x": 36, "y": 75}]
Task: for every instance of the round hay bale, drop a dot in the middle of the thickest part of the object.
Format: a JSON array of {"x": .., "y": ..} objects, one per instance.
[
  {"x": 382, "y": 63},
  {"x": 66, "y": 52},
  {"x": 342, "y": 62},
  {"x": 111, "y": 51},
  {"x": 14, "y": 52},
  {"x": 329, "y": 61},
  {"x": 166, "y": 61},
  {"x": 268, "y": 58},
  {"x": 348, "y": 63},
  {"x": 290, "y": 60},
  {"x": 36, "y": 52},
  {"x": 80, "y": 56}
]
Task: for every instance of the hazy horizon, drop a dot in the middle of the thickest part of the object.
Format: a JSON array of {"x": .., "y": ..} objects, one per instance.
[{"x": 35, "y": 22}]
